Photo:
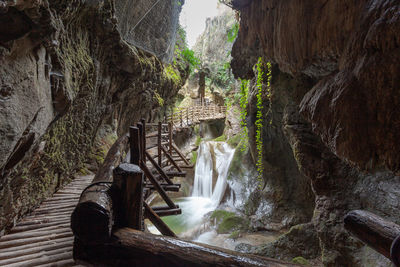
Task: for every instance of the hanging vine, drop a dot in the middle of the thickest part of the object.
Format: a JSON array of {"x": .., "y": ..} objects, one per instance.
[
  {"x": 260, "y": 114},
  {"x": 244, "y": 92}
]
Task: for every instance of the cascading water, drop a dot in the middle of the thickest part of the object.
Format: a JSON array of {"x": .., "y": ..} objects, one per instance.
[
  {"x": 213, "y": 161},
  {"x": 209, "y": 187}
]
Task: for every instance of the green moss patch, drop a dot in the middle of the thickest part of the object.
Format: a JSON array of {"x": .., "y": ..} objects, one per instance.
[
  {"x": 198, "y": 141},
  {"x": 221, "y": 138},
  {"x": 194, "y": 157},
  {"x": 301, "y": 260},
  {"x": 228, "y": 222}
]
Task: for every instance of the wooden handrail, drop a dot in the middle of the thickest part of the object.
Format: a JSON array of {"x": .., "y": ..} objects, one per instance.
[
  {"x": 136, "y": 248},
  {"x": 185, "y": 116},
  {"x": 374, "y": 231}
]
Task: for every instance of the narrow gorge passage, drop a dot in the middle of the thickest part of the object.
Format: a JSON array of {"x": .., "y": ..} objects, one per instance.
[{"x": 208, "y": 132}]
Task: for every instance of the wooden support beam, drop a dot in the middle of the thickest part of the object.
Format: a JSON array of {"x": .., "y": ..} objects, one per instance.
[
  {"x": 156, "y": 208},
  {"x": 170, "y": 212},
  {"x": 158, "y": 168},
  {"x": 373, "y": 230},
  {"x": 180, "y": 154},
  {"x": 143, "y": 121},
  {"x": 93, "y": 217},
  {"x": 167, "y": 188},
  {"x": 156, "y": 220},
  {"x": 141, "y": 138},
  {"x": 135, "y": 248},
  {"x": 170, "y": 128},
  {"x": 176, "y": 174},
  {"x": 157, "y": 186},
  {"x": 134, "y": 145},
  {"x": 128, "y": 178},
  {"x": 170, "y": 159},
  {"x": 159, "y": 144}
]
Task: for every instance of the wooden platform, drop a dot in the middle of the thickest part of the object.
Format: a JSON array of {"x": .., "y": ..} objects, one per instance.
[{"x": 44, "y": 237}]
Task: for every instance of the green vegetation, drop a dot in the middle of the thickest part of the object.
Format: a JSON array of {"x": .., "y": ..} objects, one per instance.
[
  {"x": 244, "y": 92},
  {"x": 183, "y": 56},
  {"x": 172, "y": 74},
  {"x": 221, "y": 138},
  {"x": 233, "y": 32},
  {"x": 235, "y": 234},
  {"x": 259, "y": 119},
  {"x": 228, "y": 222},
  {"x": 301, "y": 260},
  {"x": 159, "y": 99},
  {"x": 236, "y": 166},
  {"x": 235, "y": 140},
  {"x": 198, "y": 141},
  {"x": 193, "y": 159}
]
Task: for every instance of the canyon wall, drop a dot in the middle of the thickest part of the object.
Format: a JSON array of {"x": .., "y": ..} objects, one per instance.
[
  {"x": 66, "y": 71},
  {"x": 334, "y": 105}
]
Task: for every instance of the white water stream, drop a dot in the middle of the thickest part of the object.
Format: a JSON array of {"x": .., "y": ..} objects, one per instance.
[{"x": 209, "y": 187}]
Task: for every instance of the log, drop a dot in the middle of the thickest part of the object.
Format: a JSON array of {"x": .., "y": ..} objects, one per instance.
[
  {"x": 167, "y": 188},
  {"x": 156, "y": 208},
  {"x": 136, "y": 248},
  {"x": 176, "y": 174},
  {"x": 171, "y": 159},
  {"x": 91, "y": 221},
  {"x": 159, "y": 144},
  {"x": 180, "y": 154},
  {"x": 134, "y": 143},
  {"x": 128, "y": 178},
  {"x": 157, "y": 186},
  {"x": 162, "y": 213},
  {"x": 159, "y": 169},
  {"x": 143, "y": 121},
  {"x": 373, "y": 230},
  {"x": 150, "y": 214}
]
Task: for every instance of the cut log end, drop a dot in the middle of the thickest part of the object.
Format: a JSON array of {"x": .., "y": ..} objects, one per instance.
[{"x": 90, "y": 222}]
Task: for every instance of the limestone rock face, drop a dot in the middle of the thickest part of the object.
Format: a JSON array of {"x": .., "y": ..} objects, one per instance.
[
  {"x": 65, "y": 71},
  {"x": 343, "y": 124}
]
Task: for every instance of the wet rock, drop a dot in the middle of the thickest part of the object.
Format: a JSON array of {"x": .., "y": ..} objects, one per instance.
[
  {"x": 301, "y": 240},
  {"x": 342, "y": 124},
  {"x": 65, "y": 72},
  {"x": 13, "y": 24},
  {"x": 245, "y": 248}
]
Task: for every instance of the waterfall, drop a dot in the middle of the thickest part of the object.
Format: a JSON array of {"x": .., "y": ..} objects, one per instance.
[
  {"x": 209, "y": 187},
  {"x": 212, "y": 166}
]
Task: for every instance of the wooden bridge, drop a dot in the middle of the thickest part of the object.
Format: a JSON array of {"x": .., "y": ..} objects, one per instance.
[
  {"x": 108, "y": 220},
  {"x": 188, "y": 116}
]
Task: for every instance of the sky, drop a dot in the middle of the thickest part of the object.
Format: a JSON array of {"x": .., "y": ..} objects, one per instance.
[{"x": 193, "y": 17}]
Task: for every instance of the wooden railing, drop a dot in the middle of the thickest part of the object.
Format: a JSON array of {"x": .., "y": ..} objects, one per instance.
[
  {"x": 187, "y": 116},
  {"x": 108, "y": 222},
  {"x": 376, "y": 232}
]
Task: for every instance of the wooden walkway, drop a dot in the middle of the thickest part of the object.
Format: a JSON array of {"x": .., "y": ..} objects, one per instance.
[
  {"x": 188, "y": 116},
  {"x": 44, "y": 237}
]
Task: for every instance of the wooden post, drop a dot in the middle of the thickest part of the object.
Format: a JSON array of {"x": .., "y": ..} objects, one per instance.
[
  {"x": 169, "y": 157},
  {"x": 187, "y": 116},
  {"x": 93, "y": 217},
  {"x": 140, "y": 126},
  {"x": 170, "y": 137},
  {"x": 158, "y": 223},
  {"x": 130, "y": 247},
  {"x": 128, "y": 178},
  {"x": 143, "y": 121},
  {"x": 134, "y": 145},
  {"x": 373, "y": 230},
  {"x": 180, "y": 115},
  {"x": 159, "y": 143},
  {"x": 158, "y": 187}
]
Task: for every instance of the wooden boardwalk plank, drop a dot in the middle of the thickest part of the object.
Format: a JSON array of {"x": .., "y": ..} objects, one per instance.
[{"x": 44, "y": 237}]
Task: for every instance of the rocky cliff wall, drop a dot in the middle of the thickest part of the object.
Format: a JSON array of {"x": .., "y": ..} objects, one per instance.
[
  {"x": 65, "y": 72},
  {"x": 342, "y": 125}
]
